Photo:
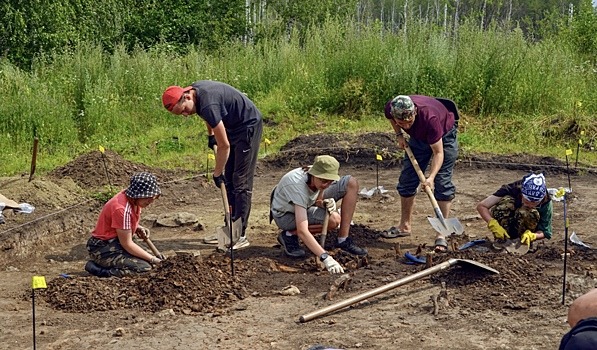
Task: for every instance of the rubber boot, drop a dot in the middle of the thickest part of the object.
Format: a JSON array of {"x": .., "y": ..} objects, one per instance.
[{"x": 97, "y": 270}]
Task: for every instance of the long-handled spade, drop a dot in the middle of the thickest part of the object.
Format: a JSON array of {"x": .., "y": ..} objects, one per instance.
[
  {"x": 442, "y": 225},
  {"x": 392, "y": 285},
  {"x": 228, "y": 236}
]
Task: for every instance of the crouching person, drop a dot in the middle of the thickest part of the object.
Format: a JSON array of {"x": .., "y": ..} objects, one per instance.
[
  {"x": 519, "y": 210},
  {"x": 299, "y": 204},
  {"x": 111, "y": 247}
]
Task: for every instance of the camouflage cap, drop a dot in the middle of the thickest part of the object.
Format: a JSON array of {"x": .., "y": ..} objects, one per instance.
[{"x": 402, "y": 107}]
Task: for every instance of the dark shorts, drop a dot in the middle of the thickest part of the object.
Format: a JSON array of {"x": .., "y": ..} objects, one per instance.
[{"x": 444, "y": 189}]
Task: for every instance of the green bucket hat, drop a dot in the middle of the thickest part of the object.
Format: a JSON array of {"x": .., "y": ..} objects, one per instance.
[{"x": 325, "y": 167}]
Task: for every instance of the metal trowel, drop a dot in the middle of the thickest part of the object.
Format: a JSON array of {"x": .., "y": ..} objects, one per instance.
[{"x": 512, "y": 246}]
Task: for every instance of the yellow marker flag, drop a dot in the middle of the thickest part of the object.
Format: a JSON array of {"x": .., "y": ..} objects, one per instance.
[
  {"x": 568, "y": 152},
  {"x": 582, "y": 132},
  {"x": 38, "y": 282},
  {"x": 267, "y": 141},
  {"x": 560, "y": 192},
  {"x": 101, "y": 148},
  {"x": 579, "y": 141},
  {"x": 211, "y": 156},
  {"x": 378, "y": 157}
]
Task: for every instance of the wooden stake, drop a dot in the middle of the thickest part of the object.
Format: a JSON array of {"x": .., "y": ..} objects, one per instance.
[{"x": 33, "y": 158}]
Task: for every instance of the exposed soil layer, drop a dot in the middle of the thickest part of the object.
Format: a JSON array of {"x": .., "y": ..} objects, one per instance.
[{"x": 192, "y": 295}]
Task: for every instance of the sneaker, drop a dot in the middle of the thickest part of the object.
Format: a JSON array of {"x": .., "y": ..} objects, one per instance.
[
  {"x": 291, "y": 245},
  {"x": 211, "y": 239},
  {"x": 349, "y": 246},
  {"x": 242, "y": 242}
]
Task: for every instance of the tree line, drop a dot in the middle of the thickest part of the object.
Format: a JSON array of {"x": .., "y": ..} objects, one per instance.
[{"x": 34, "y": 28}]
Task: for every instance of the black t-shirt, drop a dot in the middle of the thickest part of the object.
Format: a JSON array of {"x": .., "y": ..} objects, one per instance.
[
  {"x": 216, "y": 101},
  {"x": 583, "y": 336}
]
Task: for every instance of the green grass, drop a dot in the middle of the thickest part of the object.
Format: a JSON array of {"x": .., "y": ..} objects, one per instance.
[{"x": 515, "y": 95}]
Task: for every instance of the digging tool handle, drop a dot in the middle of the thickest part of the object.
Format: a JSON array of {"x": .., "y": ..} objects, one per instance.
[
  {"x": 413, "y": 160},
  {"x": 324, "y": 229},
  {"x": 228, "y": 225},
  {"x": 154, "y": 250},
  {"x": 378, "y": 290}
]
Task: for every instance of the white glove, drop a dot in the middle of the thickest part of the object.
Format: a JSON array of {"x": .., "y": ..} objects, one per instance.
[
  {"x": 330, "y": 204},
  {"x": 142, "y": 232},
  {"x": 332, "y": 265}
]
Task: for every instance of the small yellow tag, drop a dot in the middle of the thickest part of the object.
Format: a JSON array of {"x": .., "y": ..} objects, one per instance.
[
  {"x": 101, "y": 148},
  {"x": 211, "y": 156},
  {"x": 38, "y": 282},
  {"x": 560, "y": 192},
  {"x": 378, "y": 157},
  {"x": 582, "y": 132},
  {"x": 267, "y": 141},
  {"x": 580, "y": 141},
  {"x": 568, "y": 152}
]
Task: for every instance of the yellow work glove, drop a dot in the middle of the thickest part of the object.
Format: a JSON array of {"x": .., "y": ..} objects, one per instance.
[
  {"x": 498, "y": 231},
  {"x": 528, "y": 237}
]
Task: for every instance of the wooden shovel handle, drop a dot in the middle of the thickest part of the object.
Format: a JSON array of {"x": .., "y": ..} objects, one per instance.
[
  {"x": 154, "y": 250},
  {"x": 324, "y": 229},
  {"x": 419, "y": 172}
]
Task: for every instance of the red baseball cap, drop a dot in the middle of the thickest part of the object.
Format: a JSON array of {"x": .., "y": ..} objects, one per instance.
[{"x": 172, "y": 95}]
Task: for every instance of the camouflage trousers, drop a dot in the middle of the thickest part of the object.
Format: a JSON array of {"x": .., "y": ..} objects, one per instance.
[
  {"x": 515, "y": 220},
  {"x": 112, "y": 256}
]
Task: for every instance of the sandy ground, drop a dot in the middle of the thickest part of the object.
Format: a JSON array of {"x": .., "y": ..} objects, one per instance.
[{"x": 521, "y": 308}]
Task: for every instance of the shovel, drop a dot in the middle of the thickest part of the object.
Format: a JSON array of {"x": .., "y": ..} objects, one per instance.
[
  {"x": 444, "y": 226},
  {"x": 398, "y": 283},
  {"x": 154, "y": 250},
  {"x": 324, "y": 229},
  {"x": 512, "y": 246},
  {"x": 229, "y": 234}
]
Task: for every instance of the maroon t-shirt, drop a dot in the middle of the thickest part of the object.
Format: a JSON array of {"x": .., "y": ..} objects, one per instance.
[{"x": 432, "y": 122}]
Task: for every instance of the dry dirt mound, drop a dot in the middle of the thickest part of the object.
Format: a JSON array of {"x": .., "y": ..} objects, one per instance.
[
  {"x": 362, "y": 150},
  {"x": 94, "y": 169},
  {"x": 185, "y": 284},
  {"x": 357, "y": 150},
  {"x": 194, "y": 285}
]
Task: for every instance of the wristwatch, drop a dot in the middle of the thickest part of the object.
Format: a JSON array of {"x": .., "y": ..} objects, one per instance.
[{"x": 323, "y": 256}]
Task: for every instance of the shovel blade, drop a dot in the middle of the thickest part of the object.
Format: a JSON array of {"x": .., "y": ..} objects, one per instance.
[
  {"x": 452, "y": 227},
  {"x": 477, "y": 265},
  {"x": 224, "y": 235},
  {"x": 512, "y": 246}
]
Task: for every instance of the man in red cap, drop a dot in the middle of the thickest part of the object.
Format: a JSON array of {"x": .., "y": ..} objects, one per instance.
[{"x": 235, "y": 125}]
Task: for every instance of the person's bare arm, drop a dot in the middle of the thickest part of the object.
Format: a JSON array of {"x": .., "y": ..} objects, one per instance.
[
  {"x": 399, "y": 135},
  {"x": 126, "y": 240},
  {"x": 223, "y": 150},
  {"x": 484, "y": 206},
  {"x": 436, "y": 162}
]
